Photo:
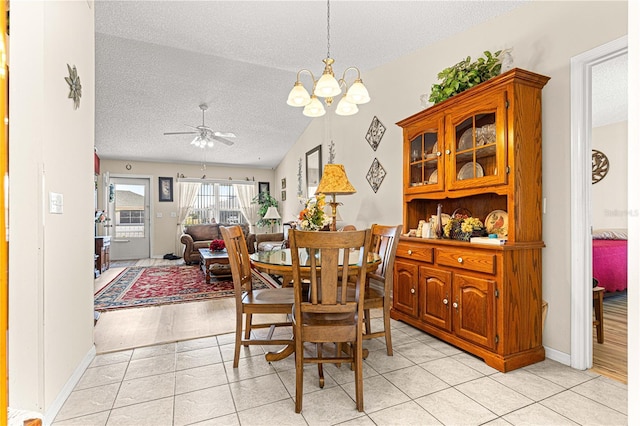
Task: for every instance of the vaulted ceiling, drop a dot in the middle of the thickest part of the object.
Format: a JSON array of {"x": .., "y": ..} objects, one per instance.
[{"x": 157, "y": 61}]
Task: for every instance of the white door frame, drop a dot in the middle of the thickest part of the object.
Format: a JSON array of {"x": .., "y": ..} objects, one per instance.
[{"x": 581, "y": 269}]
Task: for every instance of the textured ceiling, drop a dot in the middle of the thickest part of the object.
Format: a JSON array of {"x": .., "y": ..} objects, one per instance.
[
  {"x": 609, "y": 99},
  {"x": 156, "y": 61}
]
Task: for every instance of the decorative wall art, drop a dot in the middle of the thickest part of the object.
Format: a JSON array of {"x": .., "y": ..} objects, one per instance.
[
  {"x": 284, "y": 195},
  {"x": 284, "y": 183},
  {"x": 332, "y": 152},
  {"x": 300, "y": 177},
  {"x": 165, "y": 190},
  {"x": 263, "y": 189},
  {"x": 375, "y": 133},
  {"x": 75, "y": 88},
  {"x": 376, "y": 175},
  {"x": 599, "y": 166}
]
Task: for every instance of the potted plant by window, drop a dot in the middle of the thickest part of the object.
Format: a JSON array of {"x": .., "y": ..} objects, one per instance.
[{"x": 265, "y": 200}]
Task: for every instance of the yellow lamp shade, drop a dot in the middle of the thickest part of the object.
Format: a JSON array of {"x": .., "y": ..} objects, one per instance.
[{"x": 334, "y": 181}]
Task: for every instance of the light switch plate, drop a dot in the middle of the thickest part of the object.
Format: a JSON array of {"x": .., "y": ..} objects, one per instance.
[{"x": 56, "y": 203}]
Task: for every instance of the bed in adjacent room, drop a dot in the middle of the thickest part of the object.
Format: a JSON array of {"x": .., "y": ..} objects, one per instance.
[{"x": 610, "y": 259}]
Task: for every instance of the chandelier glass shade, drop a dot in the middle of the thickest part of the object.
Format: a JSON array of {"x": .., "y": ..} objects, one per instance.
[{"x": 328, "y": 87}]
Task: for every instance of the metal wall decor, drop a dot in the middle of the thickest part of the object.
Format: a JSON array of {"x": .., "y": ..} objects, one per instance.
[
  {"x": 376, "y": 175},
  {"x": 599, "y": 166},
  {"x": 332, "y": 152},
  {"x": 299, "y": 177},
  {"x": 375, "y": 133},
  {"x": 75, "y": 88}
]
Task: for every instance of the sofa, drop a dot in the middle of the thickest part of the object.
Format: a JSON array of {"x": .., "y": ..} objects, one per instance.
[
  {"x": 273, "y": 241},
  {"x": 200, "y": 236}
]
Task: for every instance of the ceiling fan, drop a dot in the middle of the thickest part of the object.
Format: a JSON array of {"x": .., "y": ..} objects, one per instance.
[{"x": 205, "y": 136}]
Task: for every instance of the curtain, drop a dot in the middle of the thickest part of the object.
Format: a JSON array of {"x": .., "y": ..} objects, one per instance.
[
  {"x": 246, "y": 194},
  {"x": 187, "y": 192}
]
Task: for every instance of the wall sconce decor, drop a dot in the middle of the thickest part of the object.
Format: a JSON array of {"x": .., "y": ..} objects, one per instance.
[
  {"x": 599, "y": 166},
  {"x": 375, "y": 133},
  {"x": 376, "y": 175}
]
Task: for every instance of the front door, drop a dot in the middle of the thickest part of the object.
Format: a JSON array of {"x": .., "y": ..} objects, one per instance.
[{"x": 129, "y": 210}]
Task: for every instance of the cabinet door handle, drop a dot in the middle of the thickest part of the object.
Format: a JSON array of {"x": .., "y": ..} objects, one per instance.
[
  {"x": 409, "y": 252},
  {"x": 445, "y": 301},
  {"x": 413, "y": 290},
  {"x": 455, "y": 305},
  {"x": 438, "y": 153},
  {"x": 459, "y": 260},
  {"x": 448, "y": 151}
]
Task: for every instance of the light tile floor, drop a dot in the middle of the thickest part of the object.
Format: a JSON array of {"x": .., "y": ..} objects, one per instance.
[{"x": 425, "y": 382}]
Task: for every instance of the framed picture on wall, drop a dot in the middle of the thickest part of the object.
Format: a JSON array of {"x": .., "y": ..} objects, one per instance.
[
  {"x": 263, "y": 188},
  {"x": 284, "y": 195},
  {"x": 165, "y": 190},
  {"x": 284, "y": 183}
]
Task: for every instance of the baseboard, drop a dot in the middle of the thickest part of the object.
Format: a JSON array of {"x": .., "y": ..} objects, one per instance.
[
  {"x": 57, "y": 404},
  {"x": 555, "y": 355}
]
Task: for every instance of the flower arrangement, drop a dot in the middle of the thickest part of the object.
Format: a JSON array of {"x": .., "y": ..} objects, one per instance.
[
  {"x": 216, "y": 245},
  {"x": 462, "y": 227},
  {"x": 312, "y": 217}
]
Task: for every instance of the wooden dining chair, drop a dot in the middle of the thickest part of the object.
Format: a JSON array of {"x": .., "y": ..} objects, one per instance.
[
  {"x": 379, "y": 283},
  {"x": 251, "y": 301},
  {"x": 324, "y": 313}
]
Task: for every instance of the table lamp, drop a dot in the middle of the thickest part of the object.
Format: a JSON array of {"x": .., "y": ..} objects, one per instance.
[
  {"x": 273, "y": 215},
  {"x": 334, "y": 181}
]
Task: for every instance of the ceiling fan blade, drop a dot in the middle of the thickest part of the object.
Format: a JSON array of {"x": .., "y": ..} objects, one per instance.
[
  {"x": 223, "y": 140},
  {"x": 180, "y": 133},
  {"x": 224, "y": 134}
]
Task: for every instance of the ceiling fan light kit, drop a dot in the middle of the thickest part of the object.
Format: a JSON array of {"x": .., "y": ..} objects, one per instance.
[
  {"x": 205, "y": 136},
  {"x": 328, "y": 87}
]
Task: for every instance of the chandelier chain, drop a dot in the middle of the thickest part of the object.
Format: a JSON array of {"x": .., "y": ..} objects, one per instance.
[{"x": 328, "y": 29}]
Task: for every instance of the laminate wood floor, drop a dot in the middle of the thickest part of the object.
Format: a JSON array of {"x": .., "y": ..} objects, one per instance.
[{"x": 610, "y": 357}]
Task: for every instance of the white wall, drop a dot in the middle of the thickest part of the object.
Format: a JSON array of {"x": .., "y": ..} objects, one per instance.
[
  {"x": 544, "y": 37},
  {"x": 164, "y": 229},
  {"x": 50, "y": 150},
  {"x": 609, "y": 196}
]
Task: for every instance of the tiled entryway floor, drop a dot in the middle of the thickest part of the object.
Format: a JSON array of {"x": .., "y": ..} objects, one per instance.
[{"x": 425, "y": 382}]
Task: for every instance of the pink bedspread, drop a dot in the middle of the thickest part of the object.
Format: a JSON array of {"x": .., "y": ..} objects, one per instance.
[{"x": 610, "y": 264}]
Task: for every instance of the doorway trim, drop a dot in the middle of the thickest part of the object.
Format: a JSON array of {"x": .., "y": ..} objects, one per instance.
[{"x": 581, "y": 266}]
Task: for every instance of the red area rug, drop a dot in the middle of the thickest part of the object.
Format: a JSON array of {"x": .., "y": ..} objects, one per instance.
[{"x": 149, "y": 286}]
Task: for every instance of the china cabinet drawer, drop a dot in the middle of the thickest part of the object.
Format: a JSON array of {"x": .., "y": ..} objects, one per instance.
[
  {"x": 419, "y": 252},
  {"x": 472, "y": 261}
]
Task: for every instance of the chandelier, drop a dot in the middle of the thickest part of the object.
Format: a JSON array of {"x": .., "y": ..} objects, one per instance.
[{"x": 328, "y": 87}]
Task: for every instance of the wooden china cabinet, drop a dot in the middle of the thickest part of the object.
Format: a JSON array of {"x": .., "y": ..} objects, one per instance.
[{"x": 480, "y": 150}]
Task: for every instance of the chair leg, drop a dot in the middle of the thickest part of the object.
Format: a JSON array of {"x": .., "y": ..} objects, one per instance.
[
  {"x": 320, "y": 372},
  {"x": 387, "y": 328},
  {"x": 367, "y": 321},
  {"x": 357, "y": 353},
  {"x": 236, "y": 353},
  {"x": 247, "y": 328},
  {"x": 299, "y": 354}
]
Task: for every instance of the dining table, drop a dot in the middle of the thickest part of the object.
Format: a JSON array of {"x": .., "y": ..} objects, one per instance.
[{"x": 278, "y": 262}]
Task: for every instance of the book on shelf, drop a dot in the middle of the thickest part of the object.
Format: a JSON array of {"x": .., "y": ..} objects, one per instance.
[{"x": 488, "y": 240}]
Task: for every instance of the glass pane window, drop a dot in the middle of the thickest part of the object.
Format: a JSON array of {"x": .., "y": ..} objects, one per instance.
[
  {"x": 129, "y": 210},
  {"x": 215, "y": 202}
]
